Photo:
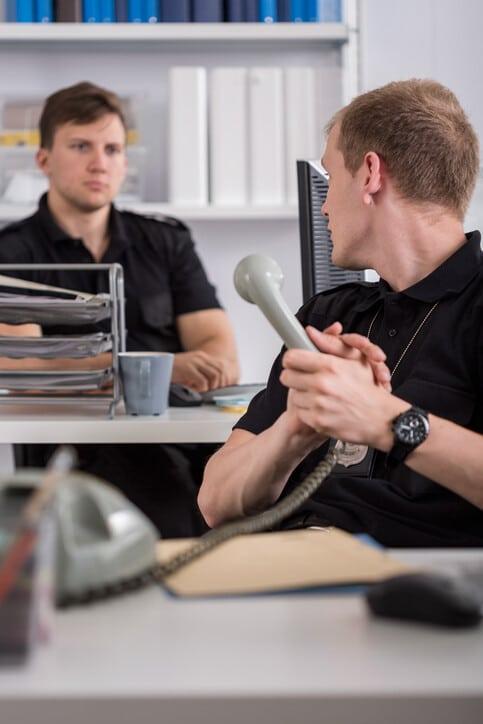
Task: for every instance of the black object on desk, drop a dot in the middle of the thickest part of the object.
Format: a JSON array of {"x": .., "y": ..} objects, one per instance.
[
  {"x": 435, "y": 598},
  {"x": 182, "y": 396}
]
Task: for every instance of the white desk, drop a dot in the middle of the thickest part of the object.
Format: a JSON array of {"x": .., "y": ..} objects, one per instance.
[
  {"x": 309, "y": 659},
  {"x": 90, "y": 424}
]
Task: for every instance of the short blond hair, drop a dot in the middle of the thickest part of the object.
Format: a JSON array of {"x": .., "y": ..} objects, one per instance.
[{"x": 422, "y": 134}]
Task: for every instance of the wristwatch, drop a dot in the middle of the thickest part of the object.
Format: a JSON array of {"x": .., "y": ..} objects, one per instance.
[{"x": 410, "y": 429}]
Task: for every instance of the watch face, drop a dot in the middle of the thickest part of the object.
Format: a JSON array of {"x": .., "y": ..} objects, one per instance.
[{"x": 412, "y": 428}]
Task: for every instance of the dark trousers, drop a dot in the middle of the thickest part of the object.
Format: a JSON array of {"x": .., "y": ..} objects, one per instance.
[{"x": 162, "y": 480}]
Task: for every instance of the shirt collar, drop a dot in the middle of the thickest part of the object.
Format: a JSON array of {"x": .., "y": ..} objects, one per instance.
[
  {"x": 451, "y": 277},
  {"x": 118, "y": 235}
]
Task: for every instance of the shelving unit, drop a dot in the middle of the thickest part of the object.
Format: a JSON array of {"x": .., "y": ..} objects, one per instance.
[
  {"x": 11, "y": 212},
  {"x": 173, "y": 32}
]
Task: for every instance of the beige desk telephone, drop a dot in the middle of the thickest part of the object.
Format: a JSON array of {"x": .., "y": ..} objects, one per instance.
[{"x": 105, "y": 545}]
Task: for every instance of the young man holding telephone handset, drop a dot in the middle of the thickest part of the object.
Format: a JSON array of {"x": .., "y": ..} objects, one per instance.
[{"x": 402, "y": 161}]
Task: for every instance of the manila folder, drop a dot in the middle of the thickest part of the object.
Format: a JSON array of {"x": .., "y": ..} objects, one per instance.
[{"x": 281, "y": 561}]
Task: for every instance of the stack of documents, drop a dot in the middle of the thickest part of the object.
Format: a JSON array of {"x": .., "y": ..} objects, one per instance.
[
  {"x": 25, "y": 309},
  {"x": 72, "y": 346}
]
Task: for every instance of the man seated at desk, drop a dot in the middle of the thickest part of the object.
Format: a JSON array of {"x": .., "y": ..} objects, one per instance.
[
  {"x": 170, "y": 304},
  {"x": 402, "y": 162}
]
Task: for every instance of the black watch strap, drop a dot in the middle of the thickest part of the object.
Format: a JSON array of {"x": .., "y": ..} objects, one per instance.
[{"x": 418, "y": 419}]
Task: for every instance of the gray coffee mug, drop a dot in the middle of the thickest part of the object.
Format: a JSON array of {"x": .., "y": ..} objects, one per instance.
[{"x": 145, "y": 380}]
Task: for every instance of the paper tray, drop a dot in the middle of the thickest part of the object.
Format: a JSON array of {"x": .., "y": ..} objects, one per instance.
[
  {"x": 56, "y": 381},
  {"x": 76, "y": 347},
  {"x": 24, "y": 309}
]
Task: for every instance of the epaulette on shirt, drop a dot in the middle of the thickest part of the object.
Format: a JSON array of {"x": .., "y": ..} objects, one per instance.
[
  {"x": 14, "y": 227},
  {"x": 173, "y": 221},
  {"x": 170, "y": 220}
]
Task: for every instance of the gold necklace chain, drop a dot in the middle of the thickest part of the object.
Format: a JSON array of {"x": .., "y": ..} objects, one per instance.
[{"x": 405, "y": 350}]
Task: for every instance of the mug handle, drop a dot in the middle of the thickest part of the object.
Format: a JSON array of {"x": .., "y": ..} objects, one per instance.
[{"x": 144, "y": 375}]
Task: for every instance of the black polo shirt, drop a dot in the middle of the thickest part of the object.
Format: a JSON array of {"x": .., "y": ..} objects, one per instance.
[
  {"x": 163, "y": 276},
  {"x": 442, "y": 372}
]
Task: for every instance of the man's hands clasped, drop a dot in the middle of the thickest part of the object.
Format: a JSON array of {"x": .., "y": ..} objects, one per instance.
[{"x": 341, "y": 393}]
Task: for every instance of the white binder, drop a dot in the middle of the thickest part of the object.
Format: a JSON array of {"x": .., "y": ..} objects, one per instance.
[
  {"x": 188, "y": 136},
  {"x": 228, "y": 136},
  {"x": 267, "y": 166},
  {"x": 303, "y": 131}
]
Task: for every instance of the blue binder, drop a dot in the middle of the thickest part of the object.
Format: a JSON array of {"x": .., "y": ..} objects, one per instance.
[
  {"x": 134, "y": 11},
  {"x": 313, "y": 11},
  {"x": 297, "y": 11},
  {"x": 24, "y": 12},
  {"x": 121, "y": 11},
  {"x": 151, "y": 11},
  {"x": 175, "y": 11},
  {"x": 252, "y": 14},
  {"x": 268, "y": 11},
  {"x": 107, "y": 11},
  {"x": 330, "y": 11},
  {"x": 284, "y": 11},
  {"x": 207, "y": 11},
  {"x": 91, "y": 11},
  {"x": 44, "y": 12},
  {"x": 235, "y": 11}
]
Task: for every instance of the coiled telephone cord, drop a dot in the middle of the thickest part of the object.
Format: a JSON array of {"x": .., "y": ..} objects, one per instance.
[{"x": 244, "y": 526}]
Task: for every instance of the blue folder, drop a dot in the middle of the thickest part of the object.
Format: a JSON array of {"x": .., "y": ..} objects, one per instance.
[
  {"x": 107, "y": 12},
  {"x": 284, "y": 11},
  {"x": 175, "y": 11},
  {"x": 24, "y": 11},
  {"x": 252, "y": 14},
  {"x": 268, "y": 11},
  {"x": 44, "y": 12},
  {"x": 207, "y": 11},
  {"x": 151, "y": 11},
  {"x": 134, "y": 11},
  {"x": 91, "y": 11},
  {"x": 235, "y": 11},
  {"x": 312, "y": 11},
  {"x": 121, "y": 11},
  {"x": 330, "y": 11}
]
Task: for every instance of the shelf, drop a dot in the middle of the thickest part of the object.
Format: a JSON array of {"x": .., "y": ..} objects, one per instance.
[
  {"x": 12, "y": 212},
  {"x": 115, "y": 33}
]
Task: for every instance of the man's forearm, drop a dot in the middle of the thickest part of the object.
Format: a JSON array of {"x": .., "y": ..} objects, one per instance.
[
  {"x": 451, "y": 455},
  {"x": 241, "y": 479}
]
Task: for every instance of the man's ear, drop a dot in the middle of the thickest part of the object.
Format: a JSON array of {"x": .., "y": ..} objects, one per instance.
[
  {"x": 42, "y": 159},
  {"x": 373, "y": 172}
]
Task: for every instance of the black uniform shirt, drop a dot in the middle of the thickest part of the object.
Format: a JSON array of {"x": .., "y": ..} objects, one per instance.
[
  {"x": 442, "y": 372},
  {"x": 163, "y": 275}
]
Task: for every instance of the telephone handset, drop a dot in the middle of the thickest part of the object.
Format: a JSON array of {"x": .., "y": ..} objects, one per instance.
[
  {"x": 258, "y": 280},
  {"x": 107, "y": 546}
]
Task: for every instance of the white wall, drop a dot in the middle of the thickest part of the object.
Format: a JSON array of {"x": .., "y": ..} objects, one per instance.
[{"x": 439, "y": 39}]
